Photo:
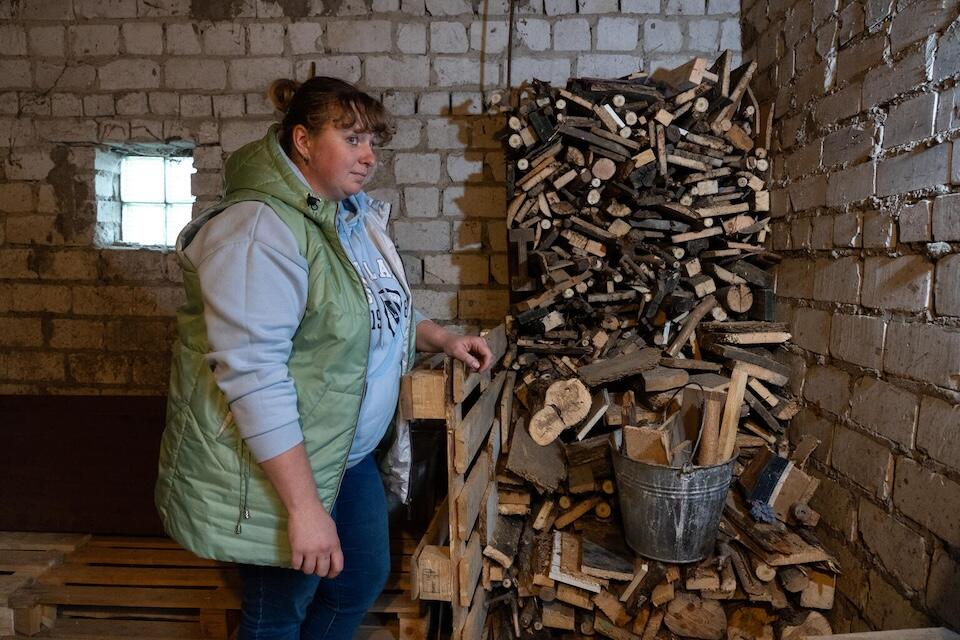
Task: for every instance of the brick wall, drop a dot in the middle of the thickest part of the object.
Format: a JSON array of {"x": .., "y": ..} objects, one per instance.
[
  {"x": 79, "y": 75},
  {"x": 867, "y": 216}
]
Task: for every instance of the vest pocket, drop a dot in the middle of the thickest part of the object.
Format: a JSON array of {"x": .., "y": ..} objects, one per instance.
[
  {"x": 207, "y": 403},
  {"x": 311, "y": 402}
]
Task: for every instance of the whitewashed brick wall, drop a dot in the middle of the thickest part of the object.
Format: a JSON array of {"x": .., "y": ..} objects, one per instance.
[
  {"x": 77, "y": 74},
  {"x": 866, "y": 214}
]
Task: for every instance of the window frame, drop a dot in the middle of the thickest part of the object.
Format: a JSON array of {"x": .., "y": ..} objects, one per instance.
[{"x": 109, "y": 233}]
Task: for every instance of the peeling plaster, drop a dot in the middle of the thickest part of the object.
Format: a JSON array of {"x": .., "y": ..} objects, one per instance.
[{"x": 72, "y": 195}]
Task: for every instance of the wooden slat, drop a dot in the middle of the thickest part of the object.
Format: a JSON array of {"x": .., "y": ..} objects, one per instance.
[
  {"x": 124, "y": 542},
  {"x": 9, "y": 585},
  {"x": 429, "y": 577},
  {"x": 399, "y": 603},
  {"x": 472, "y": 433},
  {"x": 218, "y": 598},
  {"x": 143, "y": 576},
  {"x": 477, "y": 616},
  {"x": 491, "y": 501},
  {"x": 433, "y": 579},
  {"x": 80, "y": 629},
  {"x": 423, "y": 395},
  {"x": 463, "y": 382},
  {"x": 28, "y": 562},
  {"x": 731, "y": 413},
  {"x": 470, "y": 565},
  {"x": 404, "y": 545},
  {"x": 155, "y": 557},
  {"x": 115, "y": 612},
  {"x": 469, "y": 501},
  {"x": 41, "y": 541},
  {"x": 398, "y": 581},
  {"x": 939, "y": 633},
  {"x": 505, "y": 412},
  {"x": 455, "y": 483}
]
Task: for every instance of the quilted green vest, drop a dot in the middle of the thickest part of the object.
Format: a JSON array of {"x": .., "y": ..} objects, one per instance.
[{"x": 212, "y": 498}]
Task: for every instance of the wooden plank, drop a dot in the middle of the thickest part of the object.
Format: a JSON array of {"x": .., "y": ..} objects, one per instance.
[
  {"x": 600, "y": 562},
  {"x": 126, "y": 542},
  {"x": 689, "y": 615},
  {"x": 398, "y": 603},
  {"x": 690, "y": 325},
  {"x": 731, "y": 413},
  {"x": 26, "y": 541},
  {"x": 429, "y": 570},
  {"x": 434, "y": 574},
  {"x": 771, "y": 368},
  {"x": 939, "y": 633},
  {"x": 505, "y": 412},
  {"x": 574, "y": 596},
  {"x": 543, "y": 466},
  {"x": 464, "y": 382},
  {"x": 28, "y": 562},
  {"x": 455, "y": 484},
  {"x": 762, "y": 412},
  {"x": 744, "y": 326},
  {"x": 173, "y": 598},
  {"x": 611, "y": 369},
  {"x": 469, "y": 438},
  {"x": 503, "y": 546},
  {"x": 578, "y": 510},
  {"x": 470, "y": 565},
  {"x": 82, "y": 629},
  {"x": 818, "y": 594},
  {"x": 558, "y": 616},
  {"x": 776, "y": 548},
  {"x": 645, "y": 444},
  {"x": 9, "y": 584},
  {"x": 752, "y": 274},
  {"x": 759, "y": 337},
  {"x": 469, "y": 501},
  {"x": 143, "y": 576},
  {"x": 476, "y": 618},
  {"x": 489, "y": 511},
  {"x": 608, "y": 628},
  {"x": 566, "y": 546},
  {"x": 146, "y": 557},
  {"x": 423, "y": 395}
]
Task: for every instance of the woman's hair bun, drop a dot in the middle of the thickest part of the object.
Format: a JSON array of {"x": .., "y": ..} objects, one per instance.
[{"x": 281, "y": 93}]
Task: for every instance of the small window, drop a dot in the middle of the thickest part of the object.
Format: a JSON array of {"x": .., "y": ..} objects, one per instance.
[{"x": 155, "y": 199}]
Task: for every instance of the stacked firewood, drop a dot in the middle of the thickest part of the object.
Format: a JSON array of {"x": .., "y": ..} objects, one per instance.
[{"x": 642, "y": 323}]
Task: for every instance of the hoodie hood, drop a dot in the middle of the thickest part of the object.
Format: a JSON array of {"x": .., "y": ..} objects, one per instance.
[{"x": 262, "y": 166}]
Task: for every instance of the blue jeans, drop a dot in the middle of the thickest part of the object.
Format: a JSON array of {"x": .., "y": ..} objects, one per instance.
[{"x": 284, "y": 604}]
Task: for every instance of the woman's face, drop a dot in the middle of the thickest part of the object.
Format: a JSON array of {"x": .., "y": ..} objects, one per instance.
[{"x": 336, "y": 162}]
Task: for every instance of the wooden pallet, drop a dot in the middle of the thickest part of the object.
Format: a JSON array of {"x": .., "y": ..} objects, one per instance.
[
  {"x": 447, "y": 563},
  {"x": 23, "y": 557},
  {"x": 939, "y": 633},
  {"x": 121, "y": 588}
]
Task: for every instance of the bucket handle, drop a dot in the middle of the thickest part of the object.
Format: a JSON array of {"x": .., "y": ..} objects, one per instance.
[{"x": 688, "y": 466}]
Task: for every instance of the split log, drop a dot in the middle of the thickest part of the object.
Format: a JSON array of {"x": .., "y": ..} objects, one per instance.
[
  {"x": 612, "y": 369},
  {"x": 566, "y": 403},
  {"x": 690, "y": 616}
]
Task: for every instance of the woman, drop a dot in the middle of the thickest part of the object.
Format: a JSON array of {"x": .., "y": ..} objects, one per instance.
[{"x": 297, "y": 327}]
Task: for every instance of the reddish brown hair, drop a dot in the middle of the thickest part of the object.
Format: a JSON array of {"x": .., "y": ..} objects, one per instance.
[{"x": 321, "y": 101}]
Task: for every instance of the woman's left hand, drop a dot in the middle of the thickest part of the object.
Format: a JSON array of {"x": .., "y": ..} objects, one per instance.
[{"x": 473, "y": 351}]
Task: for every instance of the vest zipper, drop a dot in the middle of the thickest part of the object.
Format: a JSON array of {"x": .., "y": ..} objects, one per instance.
[
  {"x": 363, "y": 391},
  {"x": 244, "y": 511}
]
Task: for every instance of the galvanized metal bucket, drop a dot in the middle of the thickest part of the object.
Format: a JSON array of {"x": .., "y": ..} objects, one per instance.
[{"x": 671, "y": 514}]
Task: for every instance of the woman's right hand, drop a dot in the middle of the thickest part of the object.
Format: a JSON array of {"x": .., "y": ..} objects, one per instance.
[{"x": 314, "y": 541}]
